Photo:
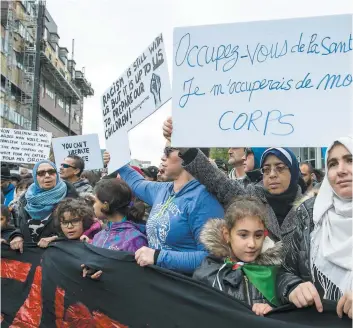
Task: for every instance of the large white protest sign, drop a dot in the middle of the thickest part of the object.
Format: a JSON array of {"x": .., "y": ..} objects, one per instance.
[
  {"x": 23, "y": 146},
  {"x": 136, "y": 94},
  {"x": 282, "y": 82},
  {"x": 85, "y": 146}
]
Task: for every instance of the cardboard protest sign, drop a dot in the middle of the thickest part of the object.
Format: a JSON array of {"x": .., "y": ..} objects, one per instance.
[
  {"x": 136, "y": 94},
  {"x": 24, "y": 146},
  {"x": 85, "y": 146},
  {"x": 268, "y": 83}
]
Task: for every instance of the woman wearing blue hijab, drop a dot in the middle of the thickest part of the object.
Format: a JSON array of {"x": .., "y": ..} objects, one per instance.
[{"x": 37, "y": 205}]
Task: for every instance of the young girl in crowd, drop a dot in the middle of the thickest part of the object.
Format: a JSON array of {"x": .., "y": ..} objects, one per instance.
[
  {"x": 122, "y": 232},
  {"x": 113, "y": 201},
  {"x": 6, "y": 228},
  {"x": 74, "y": 217},
  {"x": 240, "y": 256}
]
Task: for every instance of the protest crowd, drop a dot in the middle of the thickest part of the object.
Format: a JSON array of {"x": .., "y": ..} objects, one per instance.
[
  {"x": 255, "y": 237},
  {"x": 266, "y": 230}
]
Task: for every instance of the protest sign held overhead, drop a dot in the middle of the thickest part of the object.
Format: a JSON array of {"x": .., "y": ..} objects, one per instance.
[
  {"x": 136, "y": 94},
  {"x": 23, "y": 146},
  {"x": 267, "y": 82},
  {"x": 85, "y": 146}
]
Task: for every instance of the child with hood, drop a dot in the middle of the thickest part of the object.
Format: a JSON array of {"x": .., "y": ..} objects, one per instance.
[{"x": 243, "y": 262}]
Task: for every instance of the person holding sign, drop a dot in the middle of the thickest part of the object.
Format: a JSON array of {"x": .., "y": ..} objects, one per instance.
[
  {"x": 179, "y": 211},
  {"x": 37, "y": 205},
  {"x": 279, "y": 191},
  {"x": 70, "y": 171},
  {"x": 319, "y": 261}
]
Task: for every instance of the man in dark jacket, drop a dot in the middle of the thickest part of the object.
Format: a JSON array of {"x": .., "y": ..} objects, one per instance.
[{"x": 70, "y": 171}]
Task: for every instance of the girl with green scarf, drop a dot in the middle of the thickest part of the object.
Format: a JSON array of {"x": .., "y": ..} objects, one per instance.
[{"x": 243, "y": 261}]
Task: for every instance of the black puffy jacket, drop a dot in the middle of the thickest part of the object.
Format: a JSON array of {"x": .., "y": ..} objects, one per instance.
[
  {"x": 296, "y": 266},
  {"x": 49, "y": 228}
]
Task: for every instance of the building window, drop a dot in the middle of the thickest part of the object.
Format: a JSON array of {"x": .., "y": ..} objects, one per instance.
[
  {"x": 60, "y": 103},
  {"x": 46, "y": 34},
  {"x": 4, "y": 43},
  {"x": 21, "y": 30},
  {"x": 67, "y": 108},
  {"x": 49, "y": 93},
  {"x": 76, "y": 118},
  {"x": 18, "y": 60},
  {"x": 29, "y": 37},
  {"x": 308, "y": 155},
  {"x": 40, "y": 129}
]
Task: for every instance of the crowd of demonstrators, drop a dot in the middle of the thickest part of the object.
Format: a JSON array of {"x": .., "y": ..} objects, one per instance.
[
  {"x": 179, "y": 211},
  {"x": 20, "y": 189},
  {"x": 36, "y": 207},
  {"x": 319, "y": 264},
  {"x": 70, "y": 171},
  {"x": 173, "y": 217},
  {"x": 7, "y": 188},
  {"x": 240, "y": 263},
  {"x": 278, "y": 191}
]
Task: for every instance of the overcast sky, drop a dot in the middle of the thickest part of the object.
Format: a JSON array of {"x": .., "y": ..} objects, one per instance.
[{"x": 110, "y": 34}]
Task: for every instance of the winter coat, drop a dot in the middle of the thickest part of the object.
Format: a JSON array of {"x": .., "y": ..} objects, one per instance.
[
  {"x": 296, "y": 265},
  {"x": 49, "y": 229},
  {"x": 176, "y": 219},
  {"x": 226, "y": 190},
  {"x": 121, "y": 236},
  {"x": 9, "y": 194},
  {"x": 216, "y": 273},
  {"x": 82, "y": 186}
]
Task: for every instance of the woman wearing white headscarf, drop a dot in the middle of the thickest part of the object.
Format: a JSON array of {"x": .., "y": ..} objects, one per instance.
[{"x": 319, "y": 262}]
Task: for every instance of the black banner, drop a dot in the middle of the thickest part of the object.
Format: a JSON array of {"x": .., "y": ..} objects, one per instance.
[{"x": 45, "y": 288}]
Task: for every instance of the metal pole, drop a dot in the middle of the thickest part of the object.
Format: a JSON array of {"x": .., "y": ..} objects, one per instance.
[
  {"x": 69, "y": 125},
  {"x": 318, "y": 159},
  {"x": 37, "y": 68}
]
